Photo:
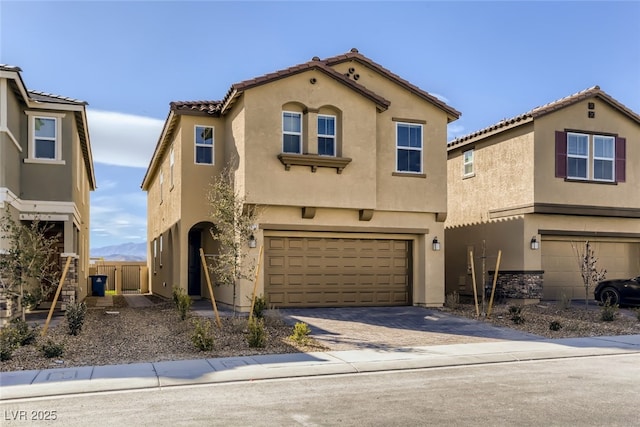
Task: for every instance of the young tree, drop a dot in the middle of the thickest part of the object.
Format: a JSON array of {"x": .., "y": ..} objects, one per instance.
[
  {"x": 589, "y": 271},
  {"x": 234, "y": 220},
  {"x": 28, "y": 264}
]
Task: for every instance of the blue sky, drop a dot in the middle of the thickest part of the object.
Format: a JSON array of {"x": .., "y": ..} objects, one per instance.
[{"x": 128, "y": 60}]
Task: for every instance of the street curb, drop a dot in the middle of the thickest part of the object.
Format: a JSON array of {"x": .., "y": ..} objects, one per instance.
[{"x": 88, "y": 379}]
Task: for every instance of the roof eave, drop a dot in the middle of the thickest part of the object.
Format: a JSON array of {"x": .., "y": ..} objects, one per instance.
[{"x": 154, "y": 163}]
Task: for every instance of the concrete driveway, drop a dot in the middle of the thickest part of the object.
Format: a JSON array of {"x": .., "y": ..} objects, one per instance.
[{"x": 392, "y": 327}]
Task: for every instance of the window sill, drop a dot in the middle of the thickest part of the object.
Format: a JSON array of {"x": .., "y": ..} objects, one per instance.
[
  {"x": 45, "y": 161},
  {"x": 471, "y": 175},
  {"x": 410, "y": 174},
  {"x": 314, "y": 161},
  {"x": 589, "y": 181}
]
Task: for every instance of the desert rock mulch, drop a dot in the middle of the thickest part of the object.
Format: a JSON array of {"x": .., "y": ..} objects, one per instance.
[
  {"x": 150, "y": 334},
  {"x": 574, "y": 321}
]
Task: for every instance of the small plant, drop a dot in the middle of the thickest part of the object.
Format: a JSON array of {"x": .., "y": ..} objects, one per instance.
[
  {"x": 52, "y": 349},
  {"x": 452, "y": 300},
  {"x": 182, "y": 301},
  {"x": 564, "y": 302},
  {"x": 555, "y": 326},
  {"x": 637, "y": 310},
  {"x": 75, "y": 315},
  {"x": 274, "y": 318},
  {"x": 515, "y": 312},
  {"x": 9, "y": 341},
  {"x": 25, "y": 334},
  {"x": 257, "y": 334},
  {"x": 301, "y": 332},
  {"x": 202, "y": 336},
  {"x": 608, "y": 312},
  {"x": 259, "y": 306}
]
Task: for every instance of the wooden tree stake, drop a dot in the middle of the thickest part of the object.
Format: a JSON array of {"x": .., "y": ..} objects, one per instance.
[
  {"x": 213, "y": 298},
  {"x": 55, "y": 298}
]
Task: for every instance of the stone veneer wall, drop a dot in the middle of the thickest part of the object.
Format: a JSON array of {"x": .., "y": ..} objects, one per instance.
[
  {"x": 70, "y": 285},
  {"x": 518, "y": 284}
]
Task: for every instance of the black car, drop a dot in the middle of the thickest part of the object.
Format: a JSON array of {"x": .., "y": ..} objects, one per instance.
[{"x": 619, "y": 291}]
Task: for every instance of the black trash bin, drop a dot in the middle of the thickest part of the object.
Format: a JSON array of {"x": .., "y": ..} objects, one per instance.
[{"x": 98, "y": 285}]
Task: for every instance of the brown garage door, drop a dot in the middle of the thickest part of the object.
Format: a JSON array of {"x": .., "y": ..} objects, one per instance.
[
  {"x": 328, "y": 272},
  {"x": 620, "y": 258}
]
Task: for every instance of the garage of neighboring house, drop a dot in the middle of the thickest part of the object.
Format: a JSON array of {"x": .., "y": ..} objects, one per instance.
[
  {"x": 619, "y": 256},
  {"x": 326, "y": 271}
]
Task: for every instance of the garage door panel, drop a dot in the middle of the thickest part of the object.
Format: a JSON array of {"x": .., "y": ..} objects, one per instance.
[
  {"x": 561, "y": 267},
  {"x": 305, "y": 272}
]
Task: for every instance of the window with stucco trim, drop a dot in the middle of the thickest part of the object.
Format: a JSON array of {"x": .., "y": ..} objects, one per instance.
[
  {"x": 45, "y": 138},
  {"x": 291, "y": 132},
  {"x": 467, "y": 163},
  {"x": 326, "y": 135},
  {"x": 408, "y": 147},
  {"x": 204, "y": 145}
]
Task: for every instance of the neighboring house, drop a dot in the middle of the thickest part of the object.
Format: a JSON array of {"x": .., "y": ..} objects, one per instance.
[
  {"x": 46, "y": 168},
  {"x": 348, "y": 161},
  {"x": 537, "y": 187}
]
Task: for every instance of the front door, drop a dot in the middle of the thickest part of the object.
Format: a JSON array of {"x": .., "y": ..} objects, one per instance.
[{"x": 195, "y": 241}]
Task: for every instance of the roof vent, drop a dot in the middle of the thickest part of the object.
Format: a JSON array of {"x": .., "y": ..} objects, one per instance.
[
  {"x": 315, "y": 58},
  {"x": 354, "y": 50}
]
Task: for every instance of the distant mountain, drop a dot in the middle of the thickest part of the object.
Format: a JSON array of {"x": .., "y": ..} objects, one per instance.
[{"x": 123, "y": 252}]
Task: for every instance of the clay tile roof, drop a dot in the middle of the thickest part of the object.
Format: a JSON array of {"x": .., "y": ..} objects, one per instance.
[
  {"x": 541, "y": 110},
  {"x": 208, "y": 107},
  {"x": 315, "y": 64},
  {"x": 49, "y": 97},
  {"x": 354, "y": 54},
  {"x": 5, "y": 67}
]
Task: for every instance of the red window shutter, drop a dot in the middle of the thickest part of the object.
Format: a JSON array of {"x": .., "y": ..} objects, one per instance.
[
  {"x": 561, "y": 154},
  {"x": 621, "y": 159}
]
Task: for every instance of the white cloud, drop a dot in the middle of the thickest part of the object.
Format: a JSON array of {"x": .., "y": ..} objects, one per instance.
[{"x": 122, "y": 139}]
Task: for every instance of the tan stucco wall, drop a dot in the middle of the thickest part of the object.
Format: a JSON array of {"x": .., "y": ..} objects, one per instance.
[
  {"x": 503, "y": 177},
  {"x": 251, "y": 134},
  {"x": 549, "y": 189}
]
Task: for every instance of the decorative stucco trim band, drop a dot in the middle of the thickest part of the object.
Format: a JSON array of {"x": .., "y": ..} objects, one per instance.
[{"x": 343, "y": 229}]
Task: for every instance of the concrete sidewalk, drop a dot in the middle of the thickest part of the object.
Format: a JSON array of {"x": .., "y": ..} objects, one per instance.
[{"x": 88, "y": 379}]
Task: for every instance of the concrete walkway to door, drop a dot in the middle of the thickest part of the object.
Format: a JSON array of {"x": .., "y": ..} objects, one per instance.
[{"x": 359, "y": 328}]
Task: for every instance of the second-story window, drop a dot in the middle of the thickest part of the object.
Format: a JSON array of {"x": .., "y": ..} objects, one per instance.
[
  {"x": 45, "y": 137},
  {"x": 603, "y": 158},
  {"x": 409, "y": 147},
  {"x": 577, "y": 156},
  {"x": 468, "y": 163},
  {"x": 204, "y": 145},
  {"x": 326, "y": 135},
  {"x": 291, "y": 132}
]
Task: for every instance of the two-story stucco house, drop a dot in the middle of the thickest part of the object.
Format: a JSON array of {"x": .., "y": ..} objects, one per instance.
[
  {"x": 46, "y": 167},
  {"x": 537, "y": 187},
  {"x": 348, "y": 161}
]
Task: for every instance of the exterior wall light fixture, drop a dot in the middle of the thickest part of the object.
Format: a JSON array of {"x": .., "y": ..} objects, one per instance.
[
  {"x": 435, "y": 245},
  {"x": 252, "y": 241},
  {"x": 535, "y": 245}
]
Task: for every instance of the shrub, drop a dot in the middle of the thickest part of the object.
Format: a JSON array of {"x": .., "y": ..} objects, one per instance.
[
  {"x": 182, "y": 302},
  {"x": 52, "y": 349},
  {"x": 273, "y": 318},
  {"x": 452, "y": 300},
  {"x": 564, "y": 302},
  {"x": 608, "y": 312},
  {"x": 75, "y": 315},
  {"x": 25, "y": 334},
  {"x": 202, "y": 336},
  {"x": 259, "y": 306},
  {"x": 555, "y": 326},
  {"x": 516, "y": 314},
  {"x": 257, "y": 334},
  {"x": 300, "y": 333},
  {"x": 638, "y": 313},
  {"x": 9, "y": 341}
]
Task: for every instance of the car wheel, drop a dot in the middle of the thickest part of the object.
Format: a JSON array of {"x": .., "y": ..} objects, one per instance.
[{"x": 611, "y": 295}]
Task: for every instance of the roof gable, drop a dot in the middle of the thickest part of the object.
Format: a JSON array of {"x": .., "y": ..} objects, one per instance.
[{"x": 505, "y": 124}]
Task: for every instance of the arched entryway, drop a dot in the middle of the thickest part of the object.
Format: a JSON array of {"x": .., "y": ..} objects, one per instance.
[{"x": 199, "y": 237}]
